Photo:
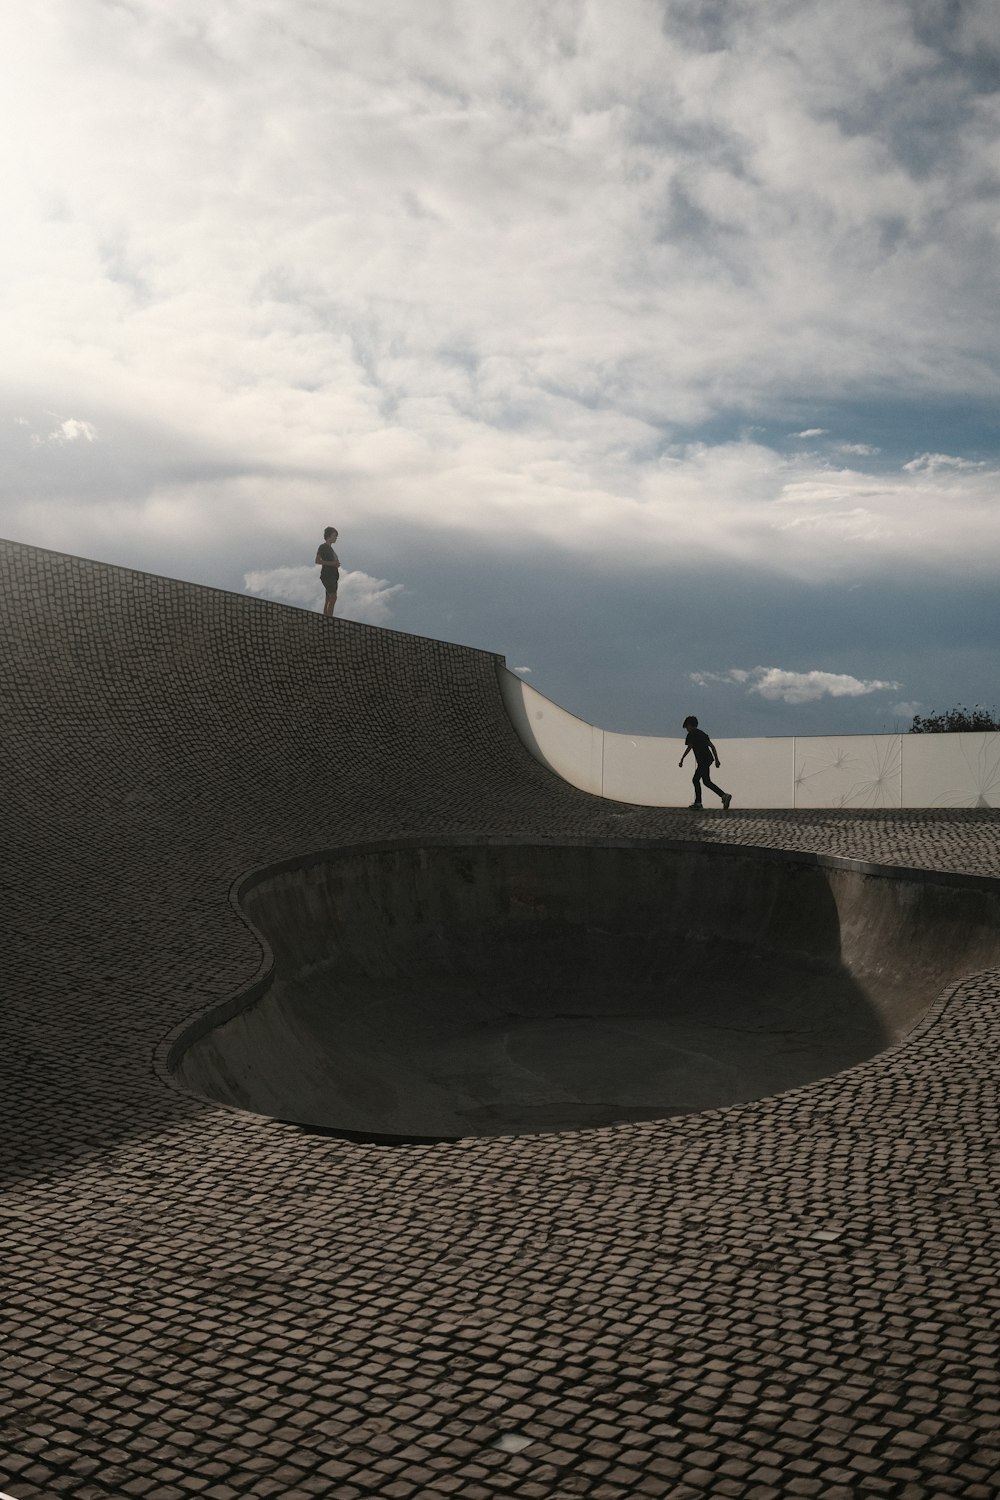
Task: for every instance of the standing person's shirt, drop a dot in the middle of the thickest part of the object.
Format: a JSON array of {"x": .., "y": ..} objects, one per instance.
[
  {"x": 698, "y": 741},
  {"x": 329, "y": 573}
]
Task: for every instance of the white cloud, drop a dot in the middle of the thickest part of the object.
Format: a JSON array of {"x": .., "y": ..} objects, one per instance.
[
  {"x": 931, "y": 463},
  {"x": 795, "y": 687},
  {"x": 598, "y": 493},
  {"x": 359, "y": 596},
  {"x": 476, "y": 267},
  {"x": 73, "y": 431},
  {"x": 905, "y": 710},
  {"x": 525, "y": 671},
  {"x": 286, "y": 585},
  {"x": 855, "y": 525},
  {"x": 471, "y": 184},
  {"x": 861, "y": 450},
  {"x": 70, "y": 430}
]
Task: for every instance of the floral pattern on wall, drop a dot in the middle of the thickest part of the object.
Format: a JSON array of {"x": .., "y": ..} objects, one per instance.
[{"x": 855, "y": 771}]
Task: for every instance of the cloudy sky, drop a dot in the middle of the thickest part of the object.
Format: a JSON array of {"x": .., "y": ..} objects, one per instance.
[{"x": 654, "y": 344}]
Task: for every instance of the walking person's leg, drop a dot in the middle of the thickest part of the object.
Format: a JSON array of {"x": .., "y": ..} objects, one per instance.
[
  {"x": 696, "y": 782},
  {"x": 705, "y": 773}
]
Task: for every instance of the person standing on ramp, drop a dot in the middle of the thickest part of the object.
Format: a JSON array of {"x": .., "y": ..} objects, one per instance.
[
  {"x": 329, "y": 568},
  {"x": 704, "y": 753}
]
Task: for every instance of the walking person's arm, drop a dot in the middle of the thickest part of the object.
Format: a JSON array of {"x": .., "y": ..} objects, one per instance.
[
  {"x": 715, "y": 752},
  {"x": 684, "y": 756}
]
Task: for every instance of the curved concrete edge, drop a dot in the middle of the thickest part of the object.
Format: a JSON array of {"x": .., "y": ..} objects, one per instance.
[
  {"x": 175, "y": 1042},
  {"x": 569, "y": 746},
  {"x": 186, "y": 1033},
  {"x": 795, "y": 771}
]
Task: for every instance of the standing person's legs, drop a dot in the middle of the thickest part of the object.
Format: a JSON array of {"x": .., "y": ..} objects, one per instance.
[
  {"x": 704, "y": 772},
  {"x": 331, "y": 600}
]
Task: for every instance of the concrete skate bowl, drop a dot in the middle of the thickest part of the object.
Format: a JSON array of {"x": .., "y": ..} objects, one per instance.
[{"x": 448, "y": 990}]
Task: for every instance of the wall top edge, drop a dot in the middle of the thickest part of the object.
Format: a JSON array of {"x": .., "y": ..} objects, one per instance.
[{"x": 12, "y": 546}]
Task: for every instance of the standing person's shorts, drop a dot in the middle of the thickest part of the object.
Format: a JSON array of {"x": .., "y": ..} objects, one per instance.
[{"x": 329, "y": 582}]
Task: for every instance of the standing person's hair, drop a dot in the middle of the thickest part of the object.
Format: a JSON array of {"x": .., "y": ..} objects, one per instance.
[{"x": 328, "y": 532}]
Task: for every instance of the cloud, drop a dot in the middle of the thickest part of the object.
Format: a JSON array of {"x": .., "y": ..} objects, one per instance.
[
  {"x": 285, "y": 585},
  {"x": 494, "y": 214},
  {"x": 932, "y": 463},
  {"x": 524, "y": 671},
  {"x": 359, "y": 596},
  {"x": 905, "y": 710},
  {"x": 596, "y": 488},
  {"x": 862, "y": 450},
  {"x": 512, "y": 275},
  {"x": 795, "y": 687},
  {"x": 71, "y": 430}
]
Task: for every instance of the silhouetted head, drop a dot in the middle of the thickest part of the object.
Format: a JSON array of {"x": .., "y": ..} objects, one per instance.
[
  {"x": 690, "y": 722},
  {"x": 330, "y": 534}
]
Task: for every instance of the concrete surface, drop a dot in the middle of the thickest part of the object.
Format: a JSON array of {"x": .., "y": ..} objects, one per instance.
[
  {"x": 796, "y": 1296},
  {"x": 506, "y": 988}
]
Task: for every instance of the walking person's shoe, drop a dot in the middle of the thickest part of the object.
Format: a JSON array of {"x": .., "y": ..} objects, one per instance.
[
  {"x": 727, "y": 797},
  {"x": 692, "y": 805}
]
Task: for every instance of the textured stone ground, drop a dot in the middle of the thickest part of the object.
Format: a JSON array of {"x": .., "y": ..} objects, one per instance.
[{"x": 794, "y": 1297}]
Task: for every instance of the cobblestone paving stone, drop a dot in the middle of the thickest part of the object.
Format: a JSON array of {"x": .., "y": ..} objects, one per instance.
[{"x": 796, "y": 1297}]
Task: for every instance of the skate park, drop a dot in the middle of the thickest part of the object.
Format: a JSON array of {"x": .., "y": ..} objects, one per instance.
[
  {"x": 509, "y": 989},
  {"x": 392, "y": 1110}
]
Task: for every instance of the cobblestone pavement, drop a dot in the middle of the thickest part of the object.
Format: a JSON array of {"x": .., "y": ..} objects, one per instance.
[{"x": 796, "y": 1297}]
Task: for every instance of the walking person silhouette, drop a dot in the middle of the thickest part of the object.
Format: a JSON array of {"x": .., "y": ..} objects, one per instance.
[{"x": 704, "y": 753}]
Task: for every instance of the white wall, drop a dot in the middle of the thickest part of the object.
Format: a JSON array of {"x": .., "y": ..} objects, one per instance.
[{"x": 850, "y": 770}]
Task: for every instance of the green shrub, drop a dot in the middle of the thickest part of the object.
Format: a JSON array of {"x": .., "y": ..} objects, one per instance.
[{"x": 958, "y": 720}]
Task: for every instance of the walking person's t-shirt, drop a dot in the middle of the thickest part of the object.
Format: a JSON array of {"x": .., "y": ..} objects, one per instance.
[{"x": 698, "y": 741}]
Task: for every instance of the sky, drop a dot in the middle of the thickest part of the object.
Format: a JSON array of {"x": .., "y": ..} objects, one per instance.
[{"x": 653, "y": 345}]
